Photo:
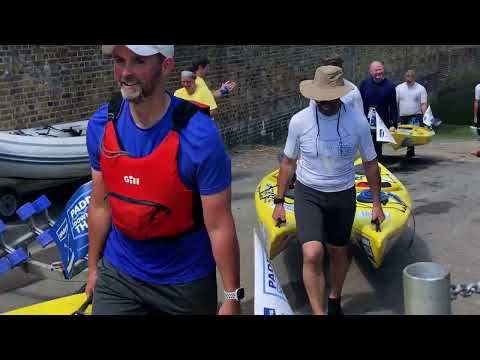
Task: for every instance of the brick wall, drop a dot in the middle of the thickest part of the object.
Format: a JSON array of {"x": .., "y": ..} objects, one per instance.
[{"x": 47, "y": 84}]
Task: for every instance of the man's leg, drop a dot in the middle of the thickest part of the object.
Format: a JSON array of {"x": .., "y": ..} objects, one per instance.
[
  {"x": 340, "y": 260},
  {"x": 410, "y": 151},
  {"x": 309, "y": 219},
  {"x": 411, "y": 120},
  {"x": 313, "y": 275},
  {"x": 339, "y": 219},
  {"x": 115, "y": 293}
]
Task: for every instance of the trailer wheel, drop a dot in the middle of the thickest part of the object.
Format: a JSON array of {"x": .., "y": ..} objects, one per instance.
[{"x": 8, "y": 203}]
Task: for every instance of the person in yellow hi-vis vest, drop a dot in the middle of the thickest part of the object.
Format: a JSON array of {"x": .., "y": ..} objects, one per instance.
[{"x": 192, "y": 92}]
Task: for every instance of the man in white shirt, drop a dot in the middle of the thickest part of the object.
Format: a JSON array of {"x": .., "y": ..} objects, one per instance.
[
  {"x": 475, "y": 104},
  {"x": 353, "y": 97},
  {"x": 326, "y": 135},
  {"x": 412, "y": 101}
]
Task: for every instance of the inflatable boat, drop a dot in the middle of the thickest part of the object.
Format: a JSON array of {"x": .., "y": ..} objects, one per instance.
[{"x": 52, "y": 152}]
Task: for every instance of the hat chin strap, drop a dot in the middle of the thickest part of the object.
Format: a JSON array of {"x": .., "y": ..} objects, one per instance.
[{"x": 338, "y": 126}]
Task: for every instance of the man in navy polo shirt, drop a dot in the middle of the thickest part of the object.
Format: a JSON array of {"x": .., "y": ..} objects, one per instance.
[
  {"x": 160, "y": 218},
  {"x": 379, "y": 93}
]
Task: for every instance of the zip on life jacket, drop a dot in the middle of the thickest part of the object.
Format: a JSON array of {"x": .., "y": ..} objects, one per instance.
[{"x": 147, "y": 198}]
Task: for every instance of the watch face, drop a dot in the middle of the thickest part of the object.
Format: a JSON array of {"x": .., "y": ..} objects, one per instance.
[{"x": 240, "y": 293}]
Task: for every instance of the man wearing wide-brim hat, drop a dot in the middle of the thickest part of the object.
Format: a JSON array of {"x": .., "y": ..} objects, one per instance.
[{"x": 326, "y": 136}]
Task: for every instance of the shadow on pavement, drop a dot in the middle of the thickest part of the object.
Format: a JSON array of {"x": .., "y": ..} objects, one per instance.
[
  {"x": 386, "y": 282},
  {"x": 386, "y": 294},
  {"x": 400, "y": 164}
]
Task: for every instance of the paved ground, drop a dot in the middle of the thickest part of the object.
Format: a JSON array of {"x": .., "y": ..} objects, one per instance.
[{"x": 442, "y": 181}]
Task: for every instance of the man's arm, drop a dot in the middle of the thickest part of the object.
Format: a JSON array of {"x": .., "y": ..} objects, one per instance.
[
  {"x": 475, "y": 111},
  {"x": 393, "y": 108},
  {"x": 220, "y": 225},
  {"x": 364, "y": 98},
  {"x": 99, "y": 223},
  {"x": 423, "y": 100},
  {"x": 372, "y": 172},
  {"x": 424, "y": 107},
  {"x": 287, "y": 168}
]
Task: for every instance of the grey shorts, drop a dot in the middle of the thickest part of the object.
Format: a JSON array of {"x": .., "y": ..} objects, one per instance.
[
  {"x": 117, "y": 293},
  {"x": 324, "y": 217}
]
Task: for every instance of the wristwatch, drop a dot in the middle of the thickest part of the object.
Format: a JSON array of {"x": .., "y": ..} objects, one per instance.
[
  {"x": 277, "y": 200},
  {"x": 238, "y": 294}
]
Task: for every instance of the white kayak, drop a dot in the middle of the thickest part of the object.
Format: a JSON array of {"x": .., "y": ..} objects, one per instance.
[{"x": 53, "y": 152}]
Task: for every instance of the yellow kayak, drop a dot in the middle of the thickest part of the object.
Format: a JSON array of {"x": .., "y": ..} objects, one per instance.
[
  {"x": 408, "y": 135},
  {"x": 62, "y": 306},
  {"x": 397, "y": 208}
]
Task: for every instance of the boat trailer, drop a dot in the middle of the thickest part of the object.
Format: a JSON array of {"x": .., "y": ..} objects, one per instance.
[{"x": 19, "y": 252}]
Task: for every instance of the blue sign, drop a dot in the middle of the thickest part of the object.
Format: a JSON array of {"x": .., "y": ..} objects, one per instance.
[
  {"x": 268, "y": 311},
  {"x": 70, "y": 232}
]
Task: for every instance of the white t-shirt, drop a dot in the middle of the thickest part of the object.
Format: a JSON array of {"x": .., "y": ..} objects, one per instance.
[
  {"x": 353, "y": 98},
  {"x": 477, "y": 92},
  {"x": 409, "y": 98},
  {"x": 332, "y": 170}
]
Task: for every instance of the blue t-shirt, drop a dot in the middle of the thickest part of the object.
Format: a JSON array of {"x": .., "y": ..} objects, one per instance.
[{"x": 202, "y": 163}]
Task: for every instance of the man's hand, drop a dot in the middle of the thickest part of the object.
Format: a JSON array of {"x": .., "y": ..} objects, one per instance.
[
  {"x": 227, "y": 87},
  {"x": 377, "y": 213},
  {"x": 91, "y": 282},
  {"x": 279, "y": 213},
  {"x": 392, "y": 129},
  {"x": 230, "y": 307}
]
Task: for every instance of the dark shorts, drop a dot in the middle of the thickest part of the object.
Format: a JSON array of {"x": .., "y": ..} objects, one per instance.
[
  {"x": 324, "y": 217},
  {"x": 116, "y": 293}
]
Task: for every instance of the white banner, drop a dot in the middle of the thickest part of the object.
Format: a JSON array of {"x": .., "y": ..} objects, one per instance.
[
  {"x": 371, "y": 117},
  {"x": 383, "y": 134},
  {"x": 269, "y": 296},
  {"x": 428, "y": 117}
]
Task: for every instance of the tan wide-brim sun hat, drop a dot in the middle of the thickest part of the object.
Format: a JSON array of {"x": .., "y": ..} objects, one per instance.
[{"x": 327, "y": 85}]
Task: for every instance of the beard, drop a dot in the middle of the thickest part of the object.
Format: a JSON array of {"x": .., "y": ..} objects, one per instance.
[
  {"x": 132, "y": 96},
  {"x": 139, "y": 91}
]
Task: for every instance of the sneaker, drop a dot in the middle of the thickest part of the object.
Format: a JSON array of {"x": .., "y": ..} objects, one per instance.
[{"x": 334, "y": 307}]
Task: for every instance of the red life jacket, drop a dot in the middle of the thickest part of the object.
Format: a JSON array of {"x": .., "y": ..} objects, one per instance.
[
  {"x": 146, "y": 195},
  {"x": 205, "y": 108}
]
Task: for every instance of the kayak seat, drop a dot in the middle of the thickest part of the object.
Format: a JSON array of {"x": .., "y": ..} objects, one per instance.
[{"x": 366, "y": 197}]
